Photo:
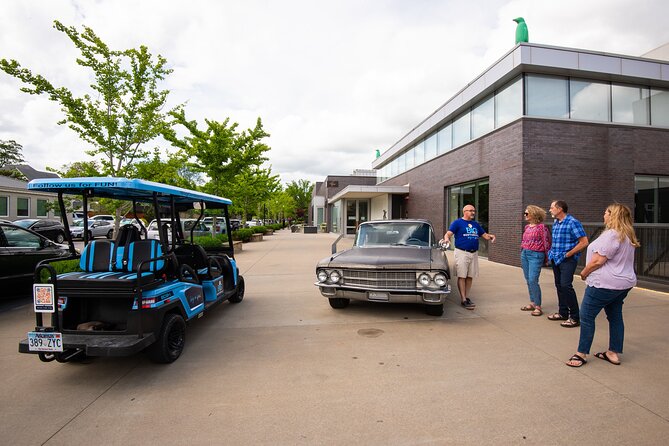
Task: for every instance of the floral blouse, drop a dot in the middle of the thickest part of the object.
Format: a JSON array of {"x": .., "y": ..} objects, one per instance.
[{"x": 536, "y": 238}]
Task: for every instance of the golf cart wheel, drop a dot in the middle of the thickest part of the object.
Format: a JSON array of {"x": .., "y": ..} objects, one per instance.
[
  {"x": 339, "y": 302},
  {"x": 171, "y": 340},
  {"x": 239, "y": 295},
  {"x": 434, "y": 310}
]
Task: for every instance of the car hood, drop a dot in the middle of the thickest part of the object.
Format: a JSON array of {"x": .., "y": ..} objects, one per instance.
[{"x": 395, "y": 257}]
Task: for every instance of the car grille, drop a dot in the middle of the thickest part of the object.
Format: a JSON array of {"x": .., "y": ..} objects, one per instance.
[{"x": 403, "y": 280}]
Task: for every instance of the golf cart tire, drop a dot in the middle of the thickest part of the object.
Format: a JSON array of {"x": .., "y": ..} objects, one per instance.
[
  {"x": 239, "y": 295},
  {"x": 171, "y": 340}
]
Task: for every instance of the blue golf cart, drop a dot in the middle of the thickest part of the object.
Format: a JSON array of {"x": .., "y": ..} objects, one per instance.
[{"x": 131, "y": 293}]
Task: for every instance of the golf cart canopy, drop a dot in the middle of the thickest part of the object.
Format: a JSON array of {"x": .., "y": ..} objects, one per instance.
[{"x": 126, "y": 189}]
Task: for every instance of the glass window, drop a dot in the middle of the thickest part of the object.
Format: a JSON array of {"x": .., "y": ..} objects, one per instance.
[
  {"x": 402, "y": 163},
  {"x": 419, "y": 151},
  {"x": 22, "y": 207},
  {"x": 589, "y": 100},
  {"x": 659, "y": 107},
  {"x": 630, "y": 104},
  {"x": 651, "y": 199},
  {"x": 410, "y": 158},
  {"x": 461, "y": 130},
  {"x": 4, "y": 206},
  {"x": 431, "y": 147},
  {"x": 483, "y": 117},
  {"x": 475, "y": 193},
  {"x": 393, "y": 167},
  {"x": 41, "y": 208},
  {"x": 509, "y": 103},
  {"x": 319, "y": 216},
  {"x": 547, "y": 96},
  {"x": 445, "y": 139},
  {"x": 20, "y": 238}
]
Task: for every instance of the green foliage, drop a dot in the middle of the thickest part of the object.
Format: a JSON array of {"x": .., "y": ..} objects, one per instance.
[
  {"x": 300, "y": 191},
  {"x": 78, "y": 169},
  {"x": 259, "y": 229},
  {"x": 124, "y": 109},
  {"x": 174, "y": 171},
  {"x": 209, "y": 242},
  {"x": 10, "y": 152},
  {"x": 243, "y": 234},
  {"x": 13, "y": 174}
]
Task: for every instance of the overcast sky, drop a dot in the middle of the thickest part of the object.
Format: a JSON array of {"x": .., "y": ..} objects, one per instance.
[{"x": 332, "y": 81}]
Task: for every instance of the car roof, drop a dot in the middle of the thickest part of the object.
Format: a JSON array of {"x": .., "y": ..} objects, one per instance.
[{"x": 127, "y": 189}]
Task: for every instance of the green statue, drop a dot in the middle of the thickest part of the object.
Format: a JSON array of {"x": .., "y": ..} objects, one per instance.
[
  {"x": 378, "y": 153},
  {"x": 521, "y": 30}
]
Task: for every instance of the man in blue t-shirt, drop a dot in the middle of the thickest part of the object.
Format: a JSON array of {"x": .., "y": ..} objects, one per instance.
[{"x": 467, "y": 232}]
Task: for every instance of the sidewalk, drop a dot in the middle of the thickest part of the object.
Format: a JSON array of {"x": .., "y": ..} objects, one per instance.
[{"x": 283, "y": 368}]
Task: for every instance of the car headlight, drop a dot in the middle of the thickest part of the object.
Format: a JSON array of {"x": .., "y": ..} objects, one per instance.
[
  {"x": 335, "y": 276},
  {"x": 440, "y": 280},
  {"x": 424, "y": 280},
  {"x": 322, "y": 275}
]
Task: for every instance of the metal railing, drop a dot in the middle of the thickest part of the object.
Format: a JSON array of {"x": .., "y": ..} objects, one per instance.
[{"x": 651, "y": 260}]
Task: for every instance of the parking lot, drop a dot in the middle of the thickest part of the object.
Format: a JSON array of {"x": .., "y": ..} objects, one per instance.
[{"x": 282, "y": 367}]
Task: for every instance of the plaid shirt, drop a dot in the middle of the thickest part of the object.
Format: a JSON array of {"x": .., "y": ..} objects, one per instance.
[{"x": 565, "y": 236}]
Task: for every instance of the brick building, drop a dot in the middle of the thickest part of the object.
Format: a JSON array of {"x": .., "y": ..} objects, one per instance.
[{"x": 542, "y": 123}]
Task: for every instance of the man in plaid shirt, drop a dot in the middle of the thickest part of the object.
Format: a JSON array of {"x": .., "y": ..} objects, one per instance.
[{"x": 569, "y": 239}]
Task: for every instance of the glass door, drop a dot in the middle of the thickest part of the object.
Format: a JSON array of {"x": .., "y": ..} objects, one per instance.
[{"x": 357, "y": 211}]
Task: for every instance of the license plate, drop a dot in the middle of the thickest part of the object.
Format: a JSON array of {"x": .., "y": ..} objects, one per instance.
[
  {"x": 374, "y": 295},
  {"x": 45, "y": 342}
]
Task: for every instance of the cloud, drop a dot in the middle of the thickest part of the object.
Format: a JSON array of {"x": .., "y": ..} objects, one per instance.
[{"x": 332, "y": 81}]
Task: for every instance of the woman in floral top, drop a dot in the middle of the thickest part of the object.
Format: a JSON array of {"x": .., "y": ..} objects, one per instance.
[{"x": 534, "y": 254}]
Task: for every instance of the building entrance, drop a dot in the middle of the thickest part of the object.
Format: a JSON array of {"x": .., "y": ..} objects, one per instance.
[{"x": 357, "y": 211}]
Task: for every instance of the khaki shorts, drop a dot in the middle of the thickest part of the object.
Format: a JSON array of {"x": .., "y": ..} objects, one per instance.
[{"x": 466, "y": 263}]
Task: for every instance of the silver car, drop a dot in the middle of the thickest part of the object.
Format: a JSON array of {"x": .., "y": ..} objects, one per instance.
[
  {"x": 186, "y": 224},
  {"x": 391, "y": 261},
  {"x": 96, "y": 228}
]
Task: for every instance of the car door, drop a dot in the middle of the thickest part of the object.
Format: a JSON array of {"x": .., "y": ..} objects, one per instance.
[{"x": 24, "y": 251}]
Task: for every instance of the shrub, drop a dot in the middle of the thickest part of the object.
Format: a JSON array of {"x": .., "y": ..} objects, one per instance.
[
  {"x": 66, "y": 266},
  {"x": 243, "y": 234},
  {"x": 259, "y": 229},
  {"x": 207, "y": 241}
]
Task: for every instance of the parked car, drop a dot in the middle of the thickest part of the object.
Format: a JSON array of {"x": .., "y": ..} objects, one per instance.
[
  {"x": 235, "y": 224},
  {"x": 96, "y": 228},
  {"x": 134, "y": 222},
  {"x": 103, "y": 217},
  {"x": 20, "y": 251},
  {"x": 220, "y": 223},
  {"x": 391, "y": 261},
  {"x": 251, "y": 223},
  {"x": 51, "y": 229},
  {"x": 186, "y": 224}
]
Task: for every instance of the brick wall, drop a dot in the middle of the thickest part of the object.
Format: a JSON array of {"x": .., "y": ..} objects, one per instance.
[{"x": 535, "y": 161}]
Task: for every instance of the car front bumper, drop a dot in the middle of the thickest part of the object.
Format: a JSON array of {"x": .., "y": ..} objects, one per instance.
[{"x": 429, "y": 297}]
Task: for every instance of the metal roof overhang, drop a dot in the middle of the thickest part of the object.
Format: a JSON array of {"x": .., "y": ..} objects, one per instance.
[{"x": 362, "y": 192}]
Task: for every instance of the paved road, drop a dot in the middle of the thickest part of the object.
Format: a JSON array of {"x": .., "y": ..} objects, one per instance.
[{"x": 282, "y": 367}]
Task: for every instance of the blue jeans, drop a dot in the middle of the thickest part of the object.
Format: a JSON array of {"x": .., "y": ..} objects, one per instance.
[
  {"x": 531, "y": 262},
  {"x": 611, "y": 301},
  {"x": 564, "y": 276}
]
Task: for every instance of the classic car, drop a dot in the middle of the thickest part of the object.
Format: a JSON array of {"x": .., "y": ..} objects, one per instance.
[{"x": 391, "y": 261}]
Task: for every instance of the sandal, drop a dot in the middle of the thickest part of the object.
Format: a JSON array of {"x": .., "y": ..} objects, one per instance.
[
  {"x": 537, "y": 312},
  {"x": 605, "y": 357},
  {"x": 528, "y": 307},
  {"x": 557, "y": 317},
  {"x": 570, "y": 323},
  {"x": 578, "y": 359}
]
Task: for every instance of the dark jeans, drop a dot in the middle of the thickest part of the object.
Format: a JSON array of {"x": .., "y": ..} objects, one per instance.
[
  {"x": 564, "y": 276},
  {"x": 611, "y": 301}
]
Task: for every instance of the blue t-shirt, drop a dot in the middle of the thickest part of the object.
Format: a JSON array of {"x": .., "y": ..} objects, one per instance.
[{"x": 466, "y": 233}]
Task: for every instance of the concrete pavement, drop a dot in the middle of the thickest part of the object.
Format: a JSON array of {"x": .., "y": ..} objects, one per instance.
[{"x": 282, "y": 367}]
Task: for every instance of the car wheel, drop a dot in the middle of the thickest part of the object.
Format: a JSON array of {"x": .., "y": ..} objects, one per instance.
[
  {"x": 110, "y": 234},
  {"x": 339, "y": 302},
  {"x": 171, "y": 340},
  {"x": 434, "y": 310},
  {"x": 60, "y": 237},
  {"x": 90, "y": 235},
  {"x": 239, "y": 295}
]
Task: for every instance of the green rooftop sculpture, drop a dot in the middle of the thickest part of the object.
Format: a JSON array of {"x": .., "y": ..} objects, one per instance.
[{"x": 522, "y": 34}]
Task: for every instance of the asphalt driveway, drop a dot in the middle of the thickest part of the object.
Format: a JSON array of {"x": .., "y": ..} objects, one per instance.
[{"x": 282, "y": 367}]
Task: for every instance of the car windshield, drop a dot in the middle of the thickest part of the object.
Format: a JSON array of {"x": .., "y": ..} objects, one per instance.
[
  {"x": 393, "y": 234},
  {"x": 24, "y": 223}
]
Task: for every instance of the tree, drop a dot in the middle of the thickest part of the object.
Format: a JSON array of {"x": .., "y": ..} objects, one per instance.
[
  {"x": 78, "y": 169},
  {"x": 300, "y": 191},
  {"x": 124, "y": 110},
  {"x": 10, "y": 153},
  {"x": 250, "y": 188},
  {"x": 175, "y": 171}
]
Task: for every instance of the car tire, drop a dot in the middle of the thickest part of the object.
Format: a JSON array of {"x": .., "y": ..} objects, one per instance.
[
  {"x": 60, "y": 237},
  {"x": 110, "y": 234},
  {"x": 434, "y": 310},
  {"x": 339, "y": 302},
  {"x": 239, "y": 295},
  {"x": 90, "y": 236},
  {"x": 171, "y": 340}
]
